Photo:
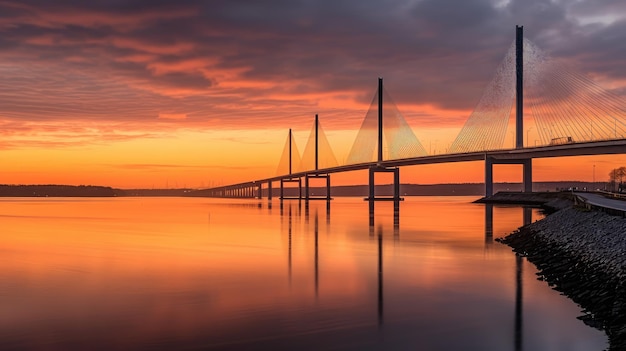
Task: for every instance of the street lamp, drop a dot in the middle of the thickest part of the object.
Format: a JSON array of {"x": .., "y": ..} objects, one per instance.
[{"x": 527, "y": 134}]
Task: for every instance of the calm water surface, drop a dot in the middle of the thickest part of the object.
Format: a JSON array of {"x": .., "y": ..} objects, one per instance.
[{"x": 184, "y": 274}]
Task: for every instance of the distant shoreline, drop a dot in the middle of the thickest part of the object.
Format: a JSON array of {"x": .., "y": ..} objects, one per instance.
[{"x": 458, "y": 189}]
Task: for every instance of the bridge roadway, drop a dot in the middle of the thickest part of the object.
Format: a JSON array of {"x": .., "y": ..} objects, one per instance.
[
  {"x": 605, "y": 147},
  {"x": 598, "y": 200}
]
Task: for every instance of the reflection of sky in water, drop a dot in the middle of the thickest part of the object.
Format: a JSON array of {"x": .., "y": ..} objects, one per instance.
[{"x": 177, "y": 273}]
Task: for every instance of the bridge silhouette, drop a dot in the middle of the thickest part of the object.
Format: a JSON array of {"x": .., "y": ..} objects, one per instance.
[{"x": 572, "y": 115}]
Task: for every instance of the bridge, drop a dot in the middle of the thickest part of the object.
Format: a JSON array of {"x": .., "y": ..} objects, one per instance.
[{"x": 572, "y": 115}]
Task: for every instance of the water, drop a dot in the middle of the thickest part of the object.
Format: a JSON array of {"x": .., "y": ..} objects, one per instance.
[{"x": 184, "y": 274}]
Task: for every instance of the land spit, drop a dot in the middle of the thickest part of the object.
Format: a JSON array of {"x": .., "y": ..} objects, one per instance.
[
  {"x": 582, "y": 254},
  {"x": 550, "y": 201}
]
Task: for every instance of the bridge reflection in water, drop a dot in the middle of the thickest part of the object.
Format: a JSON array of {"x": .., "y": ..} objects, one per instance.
[{"x": 292, "y": 212}]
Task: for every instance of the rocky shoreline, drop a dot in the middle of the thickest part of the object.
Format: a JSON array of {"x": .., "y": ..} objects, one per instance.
[{"x": 582, "y": 254}]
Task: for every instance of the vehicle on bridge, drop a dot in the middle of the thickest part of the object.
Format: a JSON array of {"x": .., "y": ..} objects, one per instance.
[{"x": 561, "y": 140}]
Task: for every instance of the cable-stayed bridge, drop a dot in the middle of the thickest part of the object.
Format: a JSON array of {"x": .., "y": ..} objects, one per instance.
[{"x": 572, "y": 116}]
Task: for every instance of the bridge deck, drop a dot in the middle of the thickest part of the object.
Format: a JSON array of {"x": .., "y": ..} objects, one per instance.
[{"x": 605, "y": 147}]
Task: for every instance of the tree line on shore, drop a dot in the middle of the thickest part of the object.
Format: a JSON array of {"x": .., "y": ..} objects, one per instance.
[
  {"x": 616, "y": 179},
  {"x": 53, "y": 190}
]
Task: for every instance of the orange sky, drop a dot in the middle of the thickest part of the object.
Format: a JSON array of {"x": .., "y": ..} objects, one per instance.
[{"x": 192, "y": 95}]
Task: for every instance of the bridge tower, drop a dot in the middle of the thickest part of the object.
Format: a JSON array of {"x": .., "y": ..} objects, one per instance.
[
  {"x": 290, "y": 179},
  {"x": 379, "y": 168},
  {"x": 307, "y": 176},
  {"x": 519, "y": 87},
  {"x": 519, "y": 124}
]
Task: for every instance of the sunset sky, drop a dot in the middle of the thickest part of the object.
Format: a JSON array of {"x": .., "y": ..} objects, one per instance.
[{"x": 156, "y": 93}]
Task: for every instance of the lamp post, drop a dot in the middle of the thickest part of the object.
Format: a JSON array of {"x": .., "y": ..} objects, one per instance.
[{"x": 527, "y": 135}]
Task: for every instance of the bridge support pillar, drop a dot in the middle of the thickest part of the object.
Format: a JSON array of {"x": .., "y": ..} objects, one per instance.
[
  {"x": 372, "y": 184},
  {"x": 307, "y": 193},
  {"x": 489, "y": 176},
  {"x": 269, "y": 190},
  {"x": 290, "y": 180},
  {"x": 528, "y": 175},
  {"x": 527, "y": 179}
]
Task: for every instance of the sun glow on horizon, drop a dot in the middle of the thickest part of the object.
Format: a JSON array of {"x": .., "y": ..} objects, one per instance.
[{"x": 171, "y": 94}]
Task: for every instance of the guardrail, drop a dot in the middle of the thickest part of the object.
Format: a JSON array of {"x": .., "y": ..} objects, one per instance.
[
  {"x": 579, "y": 200},
  {"x": 612, "y": 195}
]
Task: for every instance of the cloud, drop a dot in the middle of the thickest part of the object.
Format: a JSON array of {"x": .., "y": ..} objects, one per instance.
[
  {"x": 172, "y": 115},
  {"x": 43, "y": 134},
  {"x": 152, "y": 167},
  {"x": 235, "y": 63}
]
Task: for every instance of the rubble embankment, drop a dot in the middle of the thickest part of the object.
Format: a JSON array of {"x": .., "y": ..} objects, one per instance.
[{"x": 581, "y": 253}]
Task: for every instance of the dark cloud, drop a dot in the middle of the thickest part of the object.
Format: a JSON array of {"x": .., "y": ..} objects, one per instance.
[
  {"x": 451, "y": 16},
  {"x": 238, "y": 62},
  {"x": 600, "y": 8}
]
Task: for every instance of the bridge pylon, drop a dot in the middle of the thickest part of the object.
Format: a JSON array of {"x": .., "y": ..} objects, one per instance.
[
  {"x": 527, "y": 163},
  {"x": 290, "y": 178},
  {"x": 307, "y": 193},
  {"x": 378, "y": 168},
  {"x": 519, "y": 87}
]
